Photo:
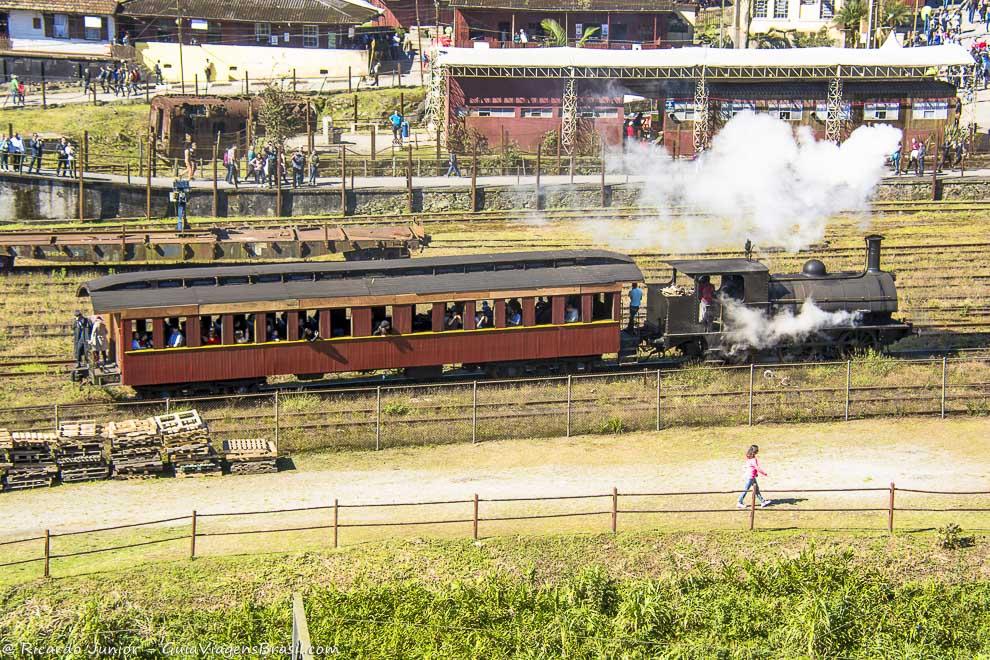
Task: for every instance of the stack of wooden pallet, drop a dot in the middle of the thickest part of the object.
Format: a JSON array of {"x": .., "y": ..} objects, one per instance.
[
  {"x": 5, "y": 444},
  {"x": 250, "y": 456},
  {"x": 31, "y": 463},
  {"x": 79, "y": 452},
  {"x": 187, "y": 444},
  {"x": 135, "y": 448}
]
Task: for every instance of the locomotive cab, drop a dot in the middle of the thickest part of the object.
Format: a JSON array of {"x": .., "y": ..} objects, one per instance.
[{"x": 677, "y": 312}]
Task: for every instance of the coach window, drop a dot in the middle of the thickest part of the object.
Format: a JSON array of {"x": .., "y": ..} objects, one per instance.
[
  {"x": 210, "y": 330},
  {"x": 572, "y": 309},
  {"x": 513, "y": 313},
  {"x": 382, "y": 320},
  {"x": 308, "y": 324},
  {"x": 341, "y": 323},
  {"x": 422, "y": 318},
  {"x": 484, "y": 314},
  {"x": 140, "y": 338},
  {"x": 175, "y": 332},
  {"x": 243, "y": 325},
  {"x": 602, "y": 307},
  {"x": 275, "y": 329}
]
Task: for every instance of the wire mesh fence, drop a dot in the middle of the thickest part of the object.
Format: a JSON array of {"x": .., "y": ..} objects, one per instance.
[{"x": 466, "y": 411}]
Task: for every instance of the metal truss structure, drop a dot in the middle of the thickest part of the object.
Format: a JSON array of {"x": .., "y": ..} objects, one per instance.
[
  {"x": 716, "y": 73},
  {"x": 702, "y": 123},
  {"x": 833, "y": 111},
  {"x": 568, "y": 117},
  {"x": 436, "y": 106}
]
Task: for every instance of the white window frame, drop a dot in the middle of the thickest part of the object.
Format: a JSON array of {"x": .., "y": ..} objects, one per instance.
[
  {"x": 781, "y": 9},
  {"x": 821, "y": 111},
  {"x": 536, "y": 113},
  {"x": 682, "y": 110},
  {"x": 826, "y": 10},
  {"x": 930, "y": 110},
  {"x": 492, "y": 112},
  {"x": 311, "y": 36},
  {"x": 199, "y": 25},
  {"x": 760, "y": 8},
  {"x": 731, "y": 110},
  {"x": 262, "y": 33},
  {"x": 881, "y": 110},
  {"x": 92, "y": 32},
  {"x": 65, "y": 26},
  {"x": 598, "y": 113},
  {"x": 786, "y": 110}
]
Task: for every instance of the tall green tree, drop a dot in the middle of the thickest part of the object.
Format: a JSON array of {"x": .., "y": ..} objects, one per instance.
[
  {"x": 556, "y": 35},
  {"x": 849, "y": 17},
  {"x": 276, "y": 115}
]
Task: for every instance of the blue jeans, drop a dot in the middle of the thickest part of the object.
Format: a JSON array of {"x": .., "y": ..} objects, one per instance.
[{"x": 751, "y": 483}]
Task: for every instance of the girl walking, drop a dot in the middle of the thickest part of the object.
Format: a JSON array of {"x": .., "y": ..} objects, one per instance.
[{"x": 751, "y": 470}]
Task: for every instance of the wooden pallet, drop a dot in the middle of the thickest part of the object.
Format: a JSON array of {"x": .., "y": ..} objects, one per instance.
[
  {"x": 42, "y": 482},
  {"x": 6, "y": 442},
  {"x": 80, "y": 429},
  {"x": 30, "y": 455},
  {"x": 92, "y": 472},
  {"x": 252, "y": 467},
  {"x": 248, "y": 447}
]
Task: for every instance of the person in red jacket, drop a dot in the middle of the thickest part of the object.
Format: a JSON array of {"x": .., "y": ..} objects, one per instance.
[{"x": 751, "y": 470}]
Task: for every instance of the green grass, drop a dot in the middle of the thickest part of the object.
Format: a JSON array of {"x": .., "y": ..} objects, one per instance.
[{"x": 643, "y": 595}]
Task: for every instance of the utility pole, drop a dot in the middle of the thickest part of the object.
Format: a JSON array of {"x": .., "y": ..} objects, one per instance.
[{"x": 178, "y": 24}]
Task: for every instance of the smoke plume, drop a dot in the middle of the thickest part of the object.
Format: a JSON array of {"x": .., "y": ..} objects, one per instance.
[
  {"x": 750, "y": 328},
  {"x": 759, "y": 180}
]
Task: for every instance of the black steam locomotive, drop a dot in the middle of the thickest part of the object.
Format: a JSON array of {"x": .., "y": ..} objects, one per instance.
[{"x": 735, "y": 310}]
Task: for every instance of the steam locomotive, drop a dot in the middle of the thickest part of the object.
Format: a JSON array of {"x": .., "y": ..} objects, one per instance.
[{"x": 854, "y": 309}]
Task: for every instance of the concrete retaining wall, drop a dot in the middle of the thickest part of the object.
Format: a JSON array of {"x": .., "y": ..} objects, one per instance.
[{"x": 27, "y": 198}]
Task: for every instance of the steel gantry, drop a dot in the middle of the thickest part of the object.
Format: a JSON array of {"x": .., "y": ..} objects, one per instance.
[
  {"x": 568, "y": 116},
  {"x": 437, "y": 104},
  {"x": 833, "y": 111},
  {"x": 702, "y": 117}
]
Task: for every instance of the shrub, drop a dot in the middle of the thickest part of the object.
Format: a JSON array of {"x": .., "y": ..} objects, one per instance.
[{"x": 950, "y": 538}]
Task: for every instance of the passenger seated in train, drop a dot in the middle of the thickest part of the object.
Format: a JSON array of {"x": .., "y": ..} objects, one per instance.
[
  {"x": 452, "y": 319},
  {"x": 571, "y": 313},
  {"x": 544, "y": 311},
  {"x": 384, "y": 328},
  {"x": 140, "y": 342},
  {"x": 212, "y": 338},
  {"x": 239, "y": 337},
  {"x": 175, "y": 338},
  {"x": 483, "y": 317},
  {"x": 513, "y": 313}
]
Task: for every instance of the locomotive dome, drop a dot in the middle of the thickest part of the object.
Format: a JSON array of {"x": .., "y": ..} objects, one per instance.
[{"x": 814, "y": 268}]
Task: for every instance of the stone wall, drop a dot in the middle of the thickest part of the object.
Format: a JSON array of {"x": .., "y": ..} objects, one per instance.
[{"x": 26, "y": 198}]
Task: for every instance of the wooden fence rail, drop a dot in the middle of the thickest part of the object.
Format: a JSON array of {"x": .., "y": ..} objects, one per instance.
[{"x": 473, "y": 516}]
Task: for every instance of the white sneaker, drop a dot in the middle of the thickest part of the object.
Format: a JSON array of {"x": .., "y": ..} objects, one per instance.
[
  {"x": 765, "y": 503},
  {"x": 740, "y": 505}
]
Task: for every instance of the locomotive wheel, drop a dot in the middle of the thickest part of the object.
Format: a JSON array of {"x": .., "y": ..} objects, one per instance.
[{"x": 853, "y": 341}]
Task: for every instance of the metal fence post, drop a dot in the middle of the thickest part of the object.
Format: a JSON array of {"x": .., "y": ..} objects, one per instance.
[
  {"x": 944, "y": 383},
  {"x": 658, "y": 399},
  {"x": 474, "y": 412},
  {"x": 276, "y": 421},
  {"x": 890, "y": 509},
  {"x": 615, "y": 508},
  {"x": 752, "y": 375},
  {"x": 568, "y": 428},
  {"x": 56, "y": 418},
  {"x": 48, "y": 552},
  {"x": 475, "y": 518},
  {"x": 336, "y": 508},
  {"x": 752, "y": 509},
  {"x": 192, "y": 537},
  {"x": 848, "y": 382},
  {"x": 378, "y": 418}
]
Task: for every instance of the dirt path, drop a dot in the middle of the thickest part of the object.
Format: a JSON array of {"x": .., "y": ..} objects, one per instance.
[{"x": 932, "y": 454}]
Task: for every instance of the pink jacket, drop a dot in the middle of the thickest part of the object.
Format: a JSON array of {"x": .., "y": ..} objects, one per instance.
[{"x": 752, "y": 468}]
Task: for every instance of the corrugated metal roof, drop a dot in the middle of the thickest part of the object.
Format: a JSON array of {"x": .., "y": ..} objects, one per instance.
[
  {"x": 88, "y": 7},
  {"x": 435, "y": 275},
  {"x": 281, "y": 11}
]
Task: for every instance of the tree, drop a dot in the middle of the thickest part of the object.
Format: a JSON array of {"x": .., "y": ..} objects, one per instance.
[
  {"x": 849, "y": 17},
  {"x": 894, "y": 13},
  {"x": 556, "y": 35},
  {"x": 276, "y": 116}
]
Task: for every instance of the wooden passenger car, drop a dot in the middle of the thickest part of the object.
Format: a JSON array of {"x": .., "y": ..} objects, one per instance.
[{"x": 348, "y": 301}]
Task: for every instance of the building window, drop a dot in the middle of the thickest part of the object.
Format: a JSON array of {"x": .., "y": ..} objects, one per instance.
[
  {"x": 492, "y": 112},
  {"x": 730, "y": 110},
  {"x": 827, "y": 9},
  {"x": 786, "y": 110},
  {"x": 760, "y": 9},
  {"x": 36, "y": 23},
  {"x": 680, "y": 110},
  {"x": 311, "y": 36},
  {"x": 598, "y": 113},
  {"x": 821, "y": 111},
  {"x": 93, "y": 26},
  {"x": 537, "y": 112},
  {"x": 262, "y": 33},
  {"x": 930, "y": 110},
  {"x": 880, "y": 111},
  {"x": 780, "y": 8},
  {"x": 60, "y": 26}
]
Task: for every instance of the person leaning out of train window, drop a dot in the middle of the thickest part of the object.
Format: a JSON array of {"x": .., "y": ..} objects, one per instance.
[
  {"x": 452, "y": 319},
  {"x": 309, "y": 334},
  {"x": 212, "y": 338},
  {"x": 571, "y": 314},
  {"x": 483, "y": 318},
  {"x": 706, "y": 295},
  {"x": 384, "y": 328}
]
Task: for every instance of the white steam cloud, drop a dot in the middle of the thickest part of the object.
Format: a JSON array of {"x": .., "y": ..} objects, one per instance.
[
  {"x": 750, "y": 328},
  {"x": 759, "y": 180}
]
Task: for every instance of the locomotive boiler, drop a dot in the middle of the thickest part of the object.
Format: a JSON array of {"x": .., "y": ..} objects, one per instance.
[{"x": 702, "y": 310}]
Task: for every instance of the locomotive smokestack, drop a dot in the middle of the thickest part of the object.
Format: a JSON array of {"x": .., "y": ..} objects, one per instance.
[{"x": 873, "y": 253}]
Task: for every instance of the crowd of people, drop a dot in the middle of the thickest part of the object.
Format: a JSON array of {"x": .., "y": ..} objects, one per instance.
[
  {"x": 120, "y": 78},
  {"x": 16, "y": 153},
  {"x": 913, "y": 161}
]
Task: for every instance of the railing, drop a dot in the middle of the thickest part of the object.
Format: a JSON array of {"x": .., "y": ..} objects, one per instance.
[{"x": 641, "y": 506}]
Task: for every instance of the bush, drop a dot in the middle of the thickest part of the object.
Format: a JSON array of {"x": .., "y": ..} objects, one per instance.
[{"x": 950, "y": 538}]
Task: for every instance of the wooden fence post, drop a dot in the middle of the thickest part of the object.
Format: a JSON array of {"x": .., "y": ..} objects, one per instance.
[
  {"x": 216, "y": 193},
  {"x": 474, "y": 413},
  {"x": 147, "y": 190},
  {"x": 752, "y": 509},
  {"x": 890, "y": 509},
  {"x": 48, "y": 552},
  {"x": 247, "y": 85},
  {"x": 128, "y": 174},
  {"x": 944, "y": 383},
  {"x": 56, "y": 418},
  {"x": 82, "y": 191},
  {"x": 752, "y": 375},
  {"x": 603, "y": 175},
  {"x": 474, "y": 180},
  {"x": 355, "y": 110},
  {"x": 615, "y": 508},
  {"x": 276, "y": 419},
  {"x": 848, "y": 383},
  {"x": 192, "y": 537},
  {"x": 539, "y": 163},
  {"x": 475, "y": 518},
  {"x": 658, "y": 399},
  {"x": 569, "y": 379},
  {"x": 44, "y": 94},
  {"x": 374, "y": 136},
  {"x": 86, "y": 150},
  {"x": 343, "y": 180},
  {"x": 378, "y": 418},
  {"x": 349, "y": 87},
  {"x": 336, "y": 508}
]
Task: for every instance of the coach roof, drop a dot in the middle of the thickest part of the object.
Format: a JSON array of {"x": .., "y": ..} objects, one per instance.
[{"x": 430, "y": 276}]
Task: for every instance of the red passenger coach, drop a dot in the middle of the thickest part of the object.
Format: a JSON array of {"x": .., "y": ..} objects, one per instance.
[{"x": 503, "y": 313}]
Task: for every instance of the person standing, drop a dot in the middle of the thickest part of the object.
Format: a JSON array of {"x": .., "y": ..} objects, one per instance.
[
  {"x": 12, "y": 97},
  {"x": 751, "y": 470},
  {"x": 37, "y": 151},
  {"x": 635, "y": 299},
  {"x": 298, "y": 168},
  {"x": 4, "y": 153},
  {"x": 314, "y": 167},
  {"x": 61, "y": 167},
  {"x": 98, "y": 341},
  {"x": 452, "y": 169},
  {"x": 230, "y": 162},
  {"x": 922, "y": 148},
  {"x": 190, "y": 161},
  {"x": 396, "y": 121},
  {"x": 81, "y": 331},
  {"x": 17, "y": 153},
  {"x": 70, "y": 159},
  {"x": 895, "y": 159},
  {"x": 87, "y": 80}
]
